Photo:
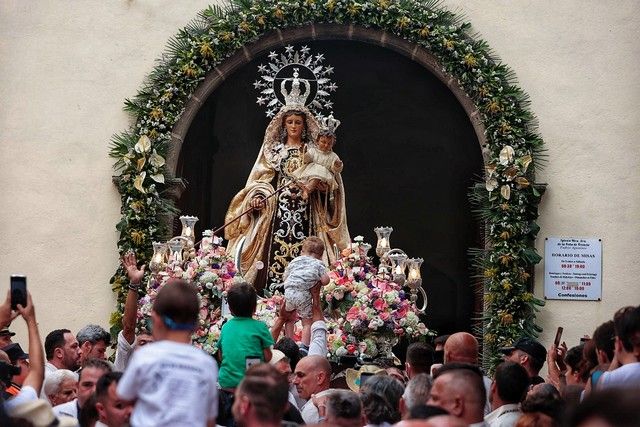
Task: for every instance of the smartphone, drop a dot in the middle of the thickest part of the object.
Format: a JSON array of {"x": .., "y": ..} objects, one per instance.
[
  {"x": 18, "y": 291},
  {"x": 249, "y": 361},
  {"x": 556, "y": 342}
]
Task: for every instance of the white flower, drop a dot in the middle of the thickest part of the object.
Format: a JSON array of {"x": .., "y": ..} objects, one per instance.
[
  {"x": 358, "y": 239},
  {"x": 143, "y": 145},
  {"x": 156, "y": 160},
  {"x": 158, "y": 178},
  {"x": 505, "y": 191},
  {"x": 137, "y": 183},
  {"x": 491, "y": 184},
  {"x": 525, "y": 161},
  {"x": 506, "y": 155}
]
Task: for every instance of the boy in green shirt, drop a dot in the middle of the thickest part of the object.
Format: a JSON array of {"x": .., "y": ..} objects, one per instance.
[{"x": 243, "y": 342}]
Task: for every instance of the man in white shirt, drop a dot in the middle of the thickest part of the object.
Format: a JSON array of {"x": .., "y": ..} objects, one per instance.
[
  {"x": 127, "y": 339},
  {"x": 62, "y": 351},
  {"x": 509, "y": 387},
  {"x": 318, "y": 345},
  {"x": 627, "y": 350}
]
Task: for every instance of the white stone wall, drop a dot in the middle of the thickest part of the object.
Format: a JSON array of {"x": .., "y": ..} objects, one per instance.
[
  {"x": 67, "y": 66},
  {"x": 578, "y": 62}
]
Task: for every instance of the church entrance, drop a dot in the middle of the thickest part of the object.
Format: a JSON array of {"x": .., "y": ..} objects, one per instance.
[{"x": 410, "y": 154}]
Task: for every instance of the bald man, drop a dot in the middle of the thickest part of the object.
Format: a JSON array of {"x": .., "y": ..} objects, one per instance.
[
  {"x": 458, "y": 389},
  {"x": 462, "y": 347},
  {"x": 311, "y": 378}
]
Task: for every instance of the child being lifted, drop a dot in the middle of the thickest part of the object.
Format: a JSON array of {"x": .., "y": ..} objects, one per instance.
[{"x": 303, "y": 273}]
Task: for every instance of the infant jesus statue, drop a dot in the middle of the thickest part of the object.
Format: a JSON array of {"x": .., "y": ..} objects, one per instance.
[{"x": 321, "y": 163}]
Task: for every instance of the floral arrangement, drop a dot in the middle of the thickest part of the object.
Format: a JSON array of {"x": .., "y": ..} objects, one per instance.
[
  {"x": 213, "y": 272},
  {"x": 507, "y": 202},
  {"x": 370, "y": 312}
]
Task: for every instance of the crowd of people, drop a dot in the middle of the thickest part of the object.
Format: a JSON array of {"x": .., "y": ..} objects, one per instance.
[{"x": 262, "y": 378}]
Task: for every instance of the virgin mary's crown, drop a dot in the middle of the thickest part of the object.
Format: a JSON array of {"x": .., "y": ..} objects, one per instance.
[{"x": 296, "y": 96}]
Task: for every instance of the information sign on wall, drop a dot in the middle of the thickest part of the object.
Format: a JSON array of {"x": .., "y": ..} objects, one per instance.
[{"x": 573, "y": 268}]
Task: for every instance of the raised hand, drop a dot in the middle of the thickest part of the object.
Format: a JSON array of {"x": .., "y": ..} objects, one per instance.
[
  {"x": 134, "y": 273},
  {"x": 6, "y": 314},
  {"x": 28, "y": 312}
]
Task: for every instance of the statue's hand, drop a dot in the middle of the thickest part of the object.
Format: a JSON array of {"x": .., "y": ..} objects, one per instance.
[
  {"x": 257, "y": 203},
  {"x": 307, "y": 158},
  {"x": 337, "y": 166}
]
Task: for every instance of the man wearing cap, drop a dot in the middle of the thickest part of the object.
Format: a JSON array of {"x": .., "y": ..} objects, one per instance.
[
  {"x": 281, "y": 362},
  {"x": 5, "y": 337},
  {"x": 20, "y": 359},
  {"x": 530, "y": 354}
]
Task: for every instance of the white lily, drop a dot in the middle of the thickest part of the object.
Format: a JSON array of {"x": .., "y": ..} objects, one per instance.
[
  {"x": 506, "y": 155},
  {"x": 156, "y": 160},
  {"x": 505, "y": 191},
  {"x": 143, "y": 145},
  {"x": 491, "y": 184},
  {"x": 137, "y": 183},
  {"x": 158, "y": 178}
]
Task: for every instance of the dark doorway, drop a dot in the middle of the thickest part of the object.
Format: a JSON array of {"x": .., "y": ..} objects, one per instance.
[{"x": 410, "y": 155}]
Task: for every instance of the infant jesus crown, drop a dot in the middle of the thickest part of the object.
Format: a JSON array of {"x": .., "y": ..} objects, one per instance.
[{"x": 328, "y": 125}]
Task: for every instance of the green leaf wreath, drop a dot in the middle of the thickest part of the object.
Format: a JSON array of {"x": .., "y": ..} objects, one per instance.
[{"x": 507, "y": 202}]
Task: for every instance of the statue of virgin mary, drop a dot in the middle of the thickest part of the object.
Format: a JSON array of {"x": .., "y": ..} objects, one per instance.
[{"x": 275, "y": 228}]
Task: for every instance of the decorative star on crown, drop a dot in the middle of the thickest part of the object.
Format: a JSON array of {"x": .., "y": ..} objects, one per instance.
[{"x": 308, "y": 85}]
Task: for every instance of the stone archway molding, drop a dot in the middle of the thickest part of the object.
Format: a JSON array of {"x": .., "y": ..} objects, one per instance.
[{"x": 222, "y": 38}]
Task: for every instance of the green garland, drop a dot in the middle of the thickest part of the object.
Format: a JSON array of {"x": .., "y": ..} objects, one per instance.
[{"x": 507, "y": 202}]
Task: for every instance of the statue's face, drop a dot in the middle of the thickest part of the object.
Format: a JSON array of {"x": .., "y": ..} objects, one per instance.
[
  {"x": 325, "y": 143},
  {"x": 294, "y": 125}
]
